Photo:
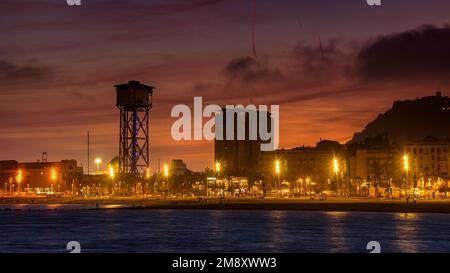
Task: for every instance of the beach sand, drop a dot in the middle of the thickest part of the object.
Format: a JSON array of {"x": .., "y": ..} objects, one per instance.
[{"x": 331, "y": 204}]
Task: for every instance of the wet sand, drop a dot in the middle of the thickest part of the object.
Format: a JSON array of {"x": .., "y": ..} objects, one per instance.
[{"x": 331, "y": 204}]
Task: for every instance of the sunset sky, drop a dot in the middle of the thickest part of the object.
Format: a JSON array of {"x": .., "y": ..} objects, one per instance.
[{"x": 332, "y": 66}]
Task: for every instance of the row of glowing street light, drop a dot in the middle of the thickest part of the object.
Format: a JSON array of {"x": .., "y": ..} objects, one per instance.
[
  {"x": 19, "y": 176},
  {"x": 97, "y": 161},
  {"x": 336, "y": 169},
  {"x": 336, "y": 165},
  {"x": 53, "y": 174},
  {"x": 217, "y": 166},
  {"x": 147, "y": 171}
]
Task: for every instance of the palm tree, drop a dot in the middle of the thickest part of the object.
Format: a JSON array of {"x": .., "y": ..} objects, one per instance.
[{"x": 378, "y": 171}]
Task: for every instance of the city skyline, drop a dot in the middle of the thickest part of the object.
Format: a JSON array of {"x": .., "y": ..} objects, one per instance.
[
  {"x": 218, "y": 135},
  {"x": 56, "y": 86}
]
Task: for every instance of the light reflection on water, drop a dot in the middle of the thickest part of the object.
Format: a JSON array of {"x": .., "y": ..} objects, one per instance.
[
  {"x": 59, "y": 206},
  {"x": 277, "y": 235},
  {"x": 335, "y": 213},
  {"x": 336, "y": 232},
  {"x": 406, "y": 232},
  {"x": 38, "y": 230}
]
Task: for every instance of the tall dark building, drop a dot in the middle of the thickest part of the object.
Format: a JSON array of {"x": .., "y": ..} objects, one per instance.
[{"x": 239, "y": 157}]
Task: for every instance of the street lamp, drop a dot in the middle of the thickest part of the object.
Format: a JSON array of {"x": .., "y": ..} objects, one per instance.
[
  {"x": 217, "y": 167},
  {"x": 111, "y": 174},
  {"x": 336, "y": 171},
  {"x": 277, "y": 171},
  {"x": 306, "y": 185},
  {"x": 166, "y": 174},
  {"x": 147, "y": 175},
  {"x": 19, "y": 178},
  {"x": 53, "y": 174},
  {"x": 217, "y": 176},
  {"x": 301, "y": 186},
  {"x": 52, "y": 177},
  {"x": 405, "y": 163},
  {"x": 406, "y": 169},
  {"x": 98, "y": 161},
  {"x": 335, "y": 166},
  {"x": 166, "y": 170}
]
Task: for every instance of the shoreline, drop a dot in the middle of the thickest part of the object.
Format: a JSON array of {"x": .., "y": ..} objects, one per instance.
[
  {"x": 342, "y": 206},
  {"x": 283, "y": 204}
]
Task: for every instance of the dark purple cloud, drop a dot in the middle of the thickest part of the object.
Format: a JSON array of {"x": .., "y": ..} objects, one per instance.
[
  {"x": 248, "y": 69},
  {"x": 305, "y": 68},
  {"x": 19, "y": 73},
  {"x": 187, "y": 48},
  {"x": 421, "y": 53}
]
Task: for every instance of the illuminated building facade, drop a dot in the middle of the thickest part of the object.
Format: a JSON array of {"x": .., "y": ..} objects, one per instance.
[
  {"x": 312, "y": 163},
  {"x": 429, "y": 158},
  {"x": 39, "y": 176}
]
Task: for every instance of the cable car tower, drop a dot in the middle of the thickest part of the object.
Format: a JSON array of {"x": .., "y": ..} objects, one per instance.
[{"x": 134, "y": 101}]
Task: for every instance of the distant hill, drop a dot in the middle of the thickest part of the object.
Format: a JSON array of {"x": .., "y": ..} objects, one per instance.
[{"x": 411, "y": 120}]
